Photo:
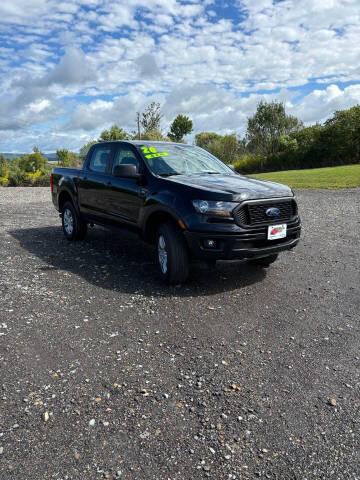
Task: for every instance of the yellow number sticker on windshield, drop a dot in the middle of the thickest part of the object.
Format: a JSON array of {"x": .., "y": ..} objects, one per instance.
[
  {"x": 151, "y": 152},
  {"x": 158, "y": 154}
]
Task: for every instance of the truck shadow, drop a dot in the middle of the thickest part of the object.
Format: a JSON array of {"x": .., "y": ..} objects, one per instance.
[{"x": 122, "y": 262}]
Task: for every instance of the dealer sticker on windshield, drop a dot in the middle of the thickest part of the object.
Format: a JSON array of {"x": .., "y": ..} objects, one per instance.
[
  {"x": 151, "y": 152},
  {"x": 276, "y": 231}
]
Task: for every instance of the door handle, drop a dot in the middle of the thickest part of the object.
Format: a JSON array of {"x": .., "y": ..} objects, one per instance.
[
  {"x": 109, "y": 183},
  {"x": 142, "y": 192}
]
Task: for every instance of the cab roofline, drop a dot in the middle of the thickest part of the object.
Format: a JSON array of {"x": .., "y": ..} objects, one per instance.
[{"x": 145, "y": 142}]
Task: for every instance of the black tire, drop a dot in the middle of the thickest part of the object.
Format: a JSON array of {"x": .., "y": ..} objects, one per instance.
[
  {"x": 73, "y": 227},
  {"x": 264, "y": 261},
  {"x": 171, "y": 243}
]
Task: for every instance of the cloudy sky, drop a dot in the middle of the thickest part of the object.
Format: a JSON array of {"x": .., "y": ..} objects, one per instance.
[{"x": 70, "y": 69}]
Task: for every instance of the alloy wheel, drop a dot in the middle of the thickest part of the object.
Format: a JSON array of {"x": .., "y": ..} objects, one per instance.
[{"x": 162, "y": 254}]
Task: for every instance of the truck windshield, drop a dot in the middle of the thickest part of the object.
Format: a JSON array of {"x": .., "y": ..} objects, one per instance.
[{"x": 170, "y": 159}]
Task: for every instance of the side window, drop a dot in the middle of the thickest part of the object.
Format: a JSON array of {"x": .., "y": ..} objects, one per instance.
[
  {"x": 99, "y": 159},
  {"x": 124, "y": 155}
]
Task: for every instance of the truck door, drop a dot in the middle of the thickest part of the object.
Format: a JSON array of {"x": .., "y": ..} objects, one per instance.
[
  {"x": 125, "y": 195},
  {"x": 94, "y": 182}
]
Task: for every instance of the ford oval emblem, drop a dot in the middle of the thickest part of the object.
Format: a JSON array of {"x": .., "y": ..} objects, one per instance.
[{"x": 272, "y": 212}]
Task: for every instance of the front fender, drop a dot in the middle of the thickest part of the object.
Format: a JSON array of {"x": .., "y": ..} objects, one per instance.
[{"x": 157, "y": 207}]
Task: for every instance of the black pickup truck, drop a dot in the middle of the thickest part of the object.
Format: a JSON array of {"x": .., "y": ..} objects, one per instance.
[{"x": 182, "y": 199}]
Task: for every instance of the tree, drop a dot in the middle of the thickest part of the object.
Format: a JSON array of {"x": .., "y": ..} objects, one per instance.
[
  {"x": 154, "y": 135},
  {"x": 225, "y": 147},
  {"x": 287, "y": 144},
  {"x": 4, "y": 166},
  {"x": 115, "y": 133},
  {"x": 229, "y": 148},
  {"x": 66, "y": 158},
  {"x": 341, "y": 136},
  {"x": 151, "y": 117},
  {"x": 204, "y": 139},
  {"x": 32, "y": 162},
  {"x": 307, "y": 136},
  {"x": 85, "y": 148},
  {"x": 269, "y": 122},
  {"x": 180, "y": 127}
]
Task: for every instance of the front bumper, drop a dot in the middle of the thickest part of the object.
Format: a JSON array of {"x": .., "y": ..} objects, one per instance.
[{"x": 251, "y": 243}]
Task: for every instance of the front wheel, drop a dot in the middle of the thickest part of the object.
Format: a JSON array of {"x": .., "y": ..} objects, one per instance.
[
  {"x": 171, "y": 255},
  {"x": 264, "y": 261},
  {"x": 73, "y": 227}
]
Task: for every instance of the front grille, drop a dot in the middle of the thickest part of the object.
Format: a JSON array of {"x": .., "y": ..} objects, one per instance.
[
  {"x": 242, "y": 216},
  {"x": 255, "y": 213}
]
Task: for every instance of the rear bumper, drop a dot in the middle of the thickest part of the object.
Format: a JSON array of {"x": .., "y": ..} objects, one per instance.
[{"x": 252, "y": 243}]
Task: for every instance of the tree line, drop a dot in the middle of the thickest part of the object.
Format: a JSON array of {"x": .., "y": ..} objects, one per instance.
[
  {"x": 148, "y": 128},
  {"x": 30, "y": 169},
  {"x": 273, "y": 141},
  {"x": 284, "y": 143},
  {"x": 34, "y": 170},
  {"x": 277, "y": 141}
]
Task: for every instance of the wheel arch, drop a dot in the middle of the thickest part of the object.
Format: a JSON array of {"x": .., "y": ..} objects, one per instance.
[
  {"x": 154, "y": 219},
  {"x": 64, "y": 197}
]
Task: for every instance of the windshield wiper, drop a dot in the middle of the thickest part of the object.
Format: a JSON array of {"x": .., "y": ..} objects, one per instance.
[{"x": 168, "y": 174}]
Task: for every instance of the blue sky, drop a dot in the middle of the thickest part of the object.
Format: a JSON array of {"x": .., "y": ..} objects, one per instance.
[{"x": 70, "y": 69}]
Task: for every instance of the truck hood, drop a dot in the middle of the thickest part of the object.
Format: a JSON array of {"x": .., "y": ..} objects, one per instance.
[{"x": 238, "y": 187}]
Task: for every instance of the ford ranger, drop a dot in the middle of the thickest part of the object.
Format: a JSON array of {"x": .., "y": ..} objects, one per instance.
[{"x": 180, "y": 198}]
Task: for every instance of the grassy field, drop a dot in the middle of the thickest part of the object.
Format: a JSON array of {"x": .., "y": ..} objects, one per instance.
[{"x": 333, "y": 177}]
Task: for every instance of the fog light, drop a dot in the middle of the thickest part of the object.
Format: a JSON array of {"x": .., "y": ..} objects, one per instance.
[{"x": 209, "y": 243}]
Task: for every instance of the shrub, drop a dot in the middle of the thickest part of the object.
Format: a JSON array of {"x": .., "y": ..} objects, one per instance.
[
  {"x": 281, "y": 161},
  {"x": 250, "y": 164},
  {"x": 42, "y": 180},
  {"x": 3, "y": 181},
  {"x": 33, "y": 177},
  {"x": 17, "y": 177}
]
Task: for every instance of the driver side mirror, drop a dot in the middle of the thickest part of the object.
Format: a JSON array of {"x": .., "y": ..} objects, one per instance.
[
  {"x": 231, "y": 166},
  {"x": 126, "y": 171}
]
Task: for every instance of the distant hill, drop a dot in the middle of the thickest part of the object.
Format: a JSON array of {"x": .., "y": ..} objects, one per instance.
[{"x": 50, "y": 156}]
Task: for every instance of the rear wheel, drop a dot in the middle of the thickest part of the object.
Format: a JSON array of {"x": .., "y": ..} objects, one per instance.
[
  {"x": 73, "y": 227},
  {"x": 171, "y": 255},
  {"x": 264, "y": 261}
]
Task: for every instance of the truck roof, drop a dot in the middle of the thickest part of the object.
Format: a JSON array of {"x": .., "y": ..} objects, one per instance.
[{"x": 144, "y": 142}]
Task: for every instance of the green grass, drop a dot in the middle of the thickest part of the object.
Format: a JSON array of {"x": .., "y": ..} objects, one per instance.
[{"x": 347, "y": 176}]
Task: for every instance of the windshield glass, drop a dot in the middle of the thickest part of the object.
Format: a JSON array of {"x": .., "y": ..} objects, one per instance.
[{"x": 170, "y": 159}]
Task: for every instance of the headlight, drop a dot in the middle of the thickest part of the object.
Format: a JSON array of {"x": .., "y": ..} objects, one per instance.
[{"x": 214, "y": 208}]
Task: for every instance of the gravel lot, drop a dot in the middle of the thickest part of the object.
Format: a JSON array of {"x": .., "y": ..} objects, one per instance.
[{"x": 242, "y": 373}]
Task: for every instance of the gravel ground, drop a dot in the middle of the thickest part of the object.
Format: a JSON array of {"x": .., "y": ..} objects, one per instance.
[{"x": 241, "y": 373}]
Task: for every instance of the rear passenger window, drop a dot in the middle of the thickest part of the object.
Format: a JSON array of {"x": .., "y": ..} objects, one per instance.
[
  {"x": 99, "y": 159},
  {"x": 124, "y": 155}
]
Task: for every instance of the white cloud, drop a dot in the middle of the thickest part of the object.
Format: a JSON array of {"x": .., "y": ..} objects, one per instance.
[
  {"x": 182, "y": 53},
  {"x": 39, "y": 106},
  {"x": 321, "y": 104}
]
